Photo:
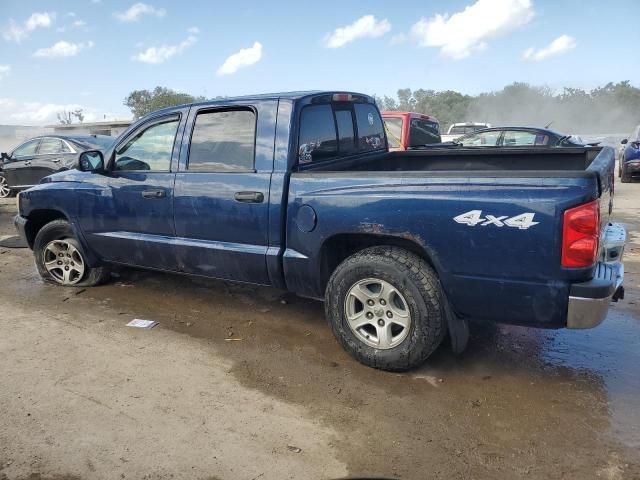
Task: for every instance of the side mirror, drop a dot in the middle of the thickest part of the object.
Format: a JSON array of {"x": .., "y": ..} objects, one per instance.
[
  {"x": 91, "y": 161},
  {"x": 4, "y": 156},
  {"x": 624, "y": 141}
]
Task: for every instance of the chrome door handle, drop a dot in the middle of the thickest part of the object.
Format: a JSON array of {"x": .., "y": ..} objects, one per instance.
[
  {"x": 154, "y": 193},
  {"x": 249, "y": 197}
]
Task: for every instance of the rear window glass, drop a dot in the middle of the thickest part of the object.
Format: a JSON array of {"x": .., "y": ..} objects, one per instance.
[
  {"x": 394, "y": 131},
  {"x": 370, "y": 128},
  {"x": 346, "y": 135},
  {"x": 318, "y": 139},
  {"x": 423, "y": 132},
  {"x": 223, "y": 141}
]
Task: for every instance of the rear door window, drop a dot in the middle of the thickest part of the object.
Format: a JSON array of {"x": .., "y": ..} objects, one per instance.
[
  {"x": 223, "y": 141},
  {"x": 50, "y": 146},
  {"x": 370, "y": 128}
]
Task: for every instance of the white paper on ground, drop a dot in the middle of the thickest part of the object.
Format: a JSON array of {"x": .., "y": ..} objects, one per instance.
[{"x": 138, "y": 323}]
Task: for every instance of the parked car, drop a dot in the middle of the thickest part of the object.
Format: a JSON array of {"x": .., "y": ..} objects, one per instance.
[
  {"x": 518, "y": 137},
  {"x": 298, "y": 191},
  {"x": 410, "y": 129},
  {"x": 629, "y": 164},
  {"x": 38, "y": 157},
  {"x": 457, "y": 130}
]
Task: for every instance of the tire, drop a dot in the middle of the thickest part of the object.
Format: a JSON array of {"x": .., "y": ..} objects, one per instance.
[
  {"x": 5, "y": 191},
  {"x": 624, "y": 176},
  {"x": 55, "y": 242},
  {"x": 417, "y": 289}
]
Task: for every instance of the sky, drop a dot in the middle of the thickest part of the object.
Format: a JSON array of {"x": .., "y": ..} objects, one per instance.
[{"x": 91, "y": 54}]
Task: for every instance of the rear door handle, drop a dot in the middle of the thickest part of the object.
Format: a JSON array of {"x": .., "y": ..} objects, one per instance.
[
  {"x": 154, "y": 193},
  {"x": 56, "y": 160},
  {"x": 249, "y": 197},
  {"x": 28, "y": 162}
]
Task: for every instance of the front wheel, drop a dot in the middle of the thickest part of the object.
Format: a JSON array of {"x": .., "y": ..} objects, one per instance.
[
  {"x": 624, "y": 176},
  {"x": 385, "y": 306},
  {"x": 60, "y": 260},
  {"x": 5, "y": 191}
]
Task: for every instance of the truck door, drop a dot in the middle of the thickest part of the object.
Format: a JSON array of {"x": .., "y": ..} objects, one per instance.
[
  {"x": 131, "y": 221},
  {"x": 221, "y": 202}
]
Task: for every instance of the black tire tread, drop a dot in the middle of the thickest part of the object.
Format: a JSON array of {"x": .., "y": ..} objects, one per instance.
[
  {"x": 93, "y": 276},
  {"x": 426, "y": 281}
]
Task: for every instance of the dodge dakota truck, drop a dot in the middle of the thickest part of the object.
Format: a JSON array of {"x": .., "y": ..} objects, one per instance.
[{"x": 299, "y": 191}]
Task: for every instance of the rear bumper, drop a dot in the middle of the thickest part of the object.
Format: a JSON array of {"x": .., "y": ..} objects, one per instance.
[
  {"x": 633, "y": 166},
  {"x": 589, "y": 301}
]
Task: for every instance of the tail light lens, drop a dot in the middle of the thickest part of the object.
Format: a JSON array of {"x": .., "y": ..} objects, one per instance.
[{"x": 580, "y": 235}]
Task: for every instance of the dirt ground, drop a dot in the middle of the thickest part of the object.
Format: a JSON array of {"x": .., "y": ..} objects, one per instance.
[{"x": 240, "y": 382}]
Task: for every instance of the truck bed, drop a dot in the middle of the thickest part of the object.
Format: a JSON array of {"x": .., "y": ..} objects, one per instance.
[
  {"x": 467, "y": 160},
  {"x": 491, "y": 270}
]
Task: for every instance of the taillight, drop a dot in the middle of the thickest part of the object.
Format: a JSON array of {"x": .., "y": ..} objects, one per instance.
[
  {"x": 580, "y": 235},
  {"x": 342, "y": 97}
]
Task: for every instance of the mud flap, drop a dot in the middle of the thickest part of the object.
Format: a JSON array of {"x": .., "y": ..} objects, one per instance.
[{"x": 458, "y": 330}]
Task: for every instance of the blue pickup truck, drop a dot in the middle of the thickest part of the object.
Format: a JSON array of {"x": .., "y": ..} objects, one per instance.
[{"x": 299, "y": 191}]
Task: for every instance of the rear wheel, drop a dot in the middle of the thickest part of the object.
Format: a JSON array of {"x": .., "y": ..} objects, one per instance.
[
  {"x": 385, "y": 307},
  {"x": 5, "y": 191},
  {"x": 60, "y": 260}
]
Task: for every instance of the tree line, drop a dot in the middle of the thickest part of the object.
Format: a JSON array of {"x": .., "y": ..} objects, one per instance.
[{"x": 613, "y": 108}]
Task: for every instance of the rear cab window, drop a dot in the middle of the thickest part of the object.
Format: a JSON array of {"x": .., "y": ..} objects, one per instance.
[
  {"x": 423, "y": 132},
  {"x": 334, "y": 130}
]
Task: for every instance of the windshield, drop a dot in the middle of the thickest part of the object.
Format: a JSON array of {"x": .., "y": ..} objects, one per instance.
[{"x": 394, "y": 131}]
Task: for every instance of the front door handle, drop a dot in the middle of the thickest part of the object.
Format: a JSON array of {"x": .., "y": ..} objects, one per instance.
[
  {"x": 249, "y": 197},
  {"x": 28, "y": 162},
  {"x": 154, "y": 193}
]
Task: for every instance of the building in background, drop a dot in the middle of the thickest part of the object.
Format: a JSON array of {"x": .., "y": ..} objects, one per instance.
[
  {"x": 13, "y": 135},
  {"x": 112, "y": 128}
]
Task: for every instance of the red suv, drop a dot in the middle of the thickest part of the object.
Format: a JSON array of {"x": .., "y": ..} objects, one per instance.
[{"x": 410, "y": 129}]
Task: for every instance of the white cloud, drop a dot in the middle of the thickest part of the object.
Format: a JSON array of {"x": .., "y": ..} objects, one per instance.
[
  {"x": 467, "y": 31},
  {"x": 364, "y": 27},
  {"x": 194, "y": 30},
  {"x": 16, "y": 33},
  {"x": 40, "y": 20},
  {"x": 241, "y": 59},
  {"x": 62, "y": 49},
  {"x": 561, "y": 45},
  {"x": 5, "y": 71},
  {"x": 137, "y": 10},
  {"x": 79, "y": 23},
  {"x": 13, "y": 112},
  {"x": 161, "y": 54}
]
